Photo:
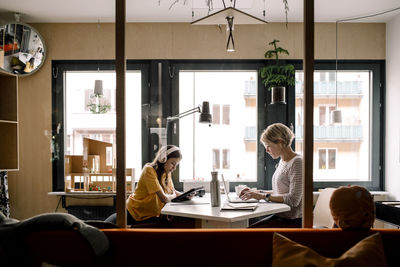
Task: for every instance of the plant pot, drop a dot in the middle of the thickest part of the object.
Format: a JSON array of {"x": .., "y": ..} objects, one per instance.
[{"x": 278, "y": 95}]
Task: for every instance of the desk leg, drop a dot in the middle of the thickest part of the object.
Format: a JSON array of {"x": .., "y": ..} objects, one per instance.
[{"x": 219, "y": 224}]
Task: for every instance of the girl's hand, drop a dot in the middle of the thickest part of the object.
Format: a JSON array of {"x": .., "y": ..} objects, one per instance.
[{"x": 190, "y": 196}]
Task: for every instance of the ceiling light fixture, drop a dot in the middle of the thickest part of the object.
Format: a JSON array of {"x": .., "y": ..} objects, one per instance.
[
  {"x": 228, "y": 16},
  {"x": 230, "y": 44},
  {"x": 336, "y": 115}
]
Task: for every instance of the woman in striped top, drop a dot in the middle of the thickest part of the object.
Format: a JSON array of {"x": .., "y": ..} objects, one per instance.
[{"x": 286, "y": 181}]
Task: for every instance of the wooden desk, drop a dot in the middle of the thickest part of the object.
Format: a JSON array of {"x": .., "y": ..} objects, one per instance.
[{"x": 212, "y": 217}]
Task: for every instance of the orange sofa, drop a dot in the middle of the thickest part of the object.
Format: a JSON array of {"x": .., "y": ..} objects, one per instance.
[{"x": 193, "y": 247}]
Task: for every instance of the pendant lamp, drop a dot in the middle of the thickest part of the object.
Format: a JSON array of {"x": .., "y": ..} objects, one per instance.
[
  {"x": 336, "y": 115},
  {"x": 229, "y": 16}
]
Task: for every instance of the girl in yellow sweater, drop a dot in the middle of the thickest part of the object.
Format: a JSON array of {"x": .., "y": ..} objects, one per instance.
[{"x": 154, "y": 189}]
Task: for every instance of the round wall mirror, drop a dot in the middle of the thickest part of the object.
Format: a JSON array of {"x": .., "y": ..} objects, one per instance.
[{"x": 22, "y": 49}]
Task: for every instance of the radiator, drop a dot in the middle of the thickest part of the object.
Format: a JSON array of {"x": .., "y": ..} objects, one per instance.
[{"x": 91, "y": 212}]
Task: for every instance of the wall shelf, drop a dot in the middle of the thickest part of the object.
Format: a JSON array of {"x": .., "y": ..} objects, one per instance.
[{"x": 9, "y": 132}]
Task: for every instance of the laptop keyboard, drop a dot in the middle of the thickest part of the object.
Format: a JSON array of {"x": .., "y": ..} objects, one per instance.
[{"x": 236, "y": 199}]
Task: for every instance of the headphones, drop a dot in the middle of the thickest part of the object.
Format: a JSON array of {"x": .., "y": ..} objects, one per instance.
[{"x": 164, "y": 152}]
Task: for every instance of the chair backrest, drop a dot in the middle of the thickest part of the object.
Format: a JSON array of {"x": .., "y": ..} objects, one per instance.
[{"x": 322, "y": 212}]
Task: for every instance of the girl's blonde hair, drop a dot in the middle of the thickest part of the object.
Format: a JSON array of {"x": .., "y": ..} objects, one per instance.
[{"x": 276, "y": 133}]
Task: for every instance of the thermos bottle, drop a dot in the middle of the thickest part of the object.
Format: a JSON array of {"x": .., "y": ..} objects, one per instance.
[{"x": 214, "y": 189}]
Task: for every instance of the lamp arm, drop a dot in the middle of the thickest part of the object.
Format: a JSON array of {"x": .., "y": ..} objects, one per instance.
[{"x": 183, "y": 114}]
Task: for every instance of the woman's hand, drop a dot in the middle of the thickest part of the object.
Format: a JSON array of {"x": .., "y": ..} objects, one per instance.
[
  {"x": 248, "y": 193},
  {"x": 244, "y": 190}
]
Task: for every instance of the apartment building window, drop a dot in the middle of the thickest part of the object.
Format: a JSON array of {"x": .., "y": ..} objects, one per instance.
[
  {"x": 226, "y": 114},
  {"x": 221, "y": 155},
  {"x": 225, "y": 159},
  {"x": 326, "y": 159},
  {"x": 216, "y": 159},
  {"x": 216, "y": 114},
  {"x": 324, "y": 114}
]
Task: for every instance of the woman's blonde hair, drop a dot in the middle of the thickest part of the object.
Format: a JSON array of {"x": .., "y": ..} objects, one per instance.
[{"x": 276, "y": 133}]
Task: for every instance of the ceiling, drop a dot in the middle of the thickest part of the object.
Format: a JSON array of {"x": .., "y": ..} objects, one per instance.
[{"x": 87, "y": 11}]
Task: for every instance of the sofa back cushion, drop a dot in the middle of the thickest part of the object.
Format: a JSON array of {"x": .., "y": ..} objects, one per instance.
[{"x": 367, "y": 252}]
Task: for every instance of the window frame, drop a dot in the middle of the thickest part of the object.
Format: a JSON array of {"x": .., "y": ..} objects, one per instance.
[
  {"x": 59, "y": 68},
  {"x": 267, "y": 114},
  {"x": 377, "y": 121},
  {"x": 327, "y": 164},
  {"x": 262, "y": 100}
]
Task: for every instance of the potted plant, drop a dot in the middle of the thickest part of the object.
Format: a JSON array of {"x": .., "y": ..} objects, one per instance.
[
  {"x": 276, "y": 76},
  {"x": 98, "y": 106}
]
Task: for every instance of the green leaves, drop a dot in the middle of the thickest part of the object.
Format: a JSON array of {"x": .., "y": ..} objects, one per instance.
[
  {"x": 276, "y": 75},
  {"x": 100, "y": 107}
]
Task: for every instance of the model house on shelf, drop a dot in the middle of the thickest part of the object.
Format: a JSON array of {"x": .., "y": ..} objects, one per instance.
[{"x": 93, "y": 171}]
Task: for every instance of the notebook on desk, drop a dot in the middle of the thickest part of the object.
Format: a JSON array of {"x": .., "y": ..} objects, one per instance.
[
  {"x": 239, "y": 206},
  {"x": 235, "y": 199}
]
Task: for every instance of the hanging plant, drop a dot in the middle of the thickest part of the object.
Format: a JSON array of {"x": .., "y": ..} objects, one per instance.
[
  {"x": 276, "y": 74},
  {"x": 97, "y": 107}
]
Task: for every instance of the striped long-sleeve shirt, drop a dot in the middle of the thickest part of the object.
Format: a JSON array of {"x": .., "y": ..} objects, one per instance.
[{"x": 287, "y": 181}]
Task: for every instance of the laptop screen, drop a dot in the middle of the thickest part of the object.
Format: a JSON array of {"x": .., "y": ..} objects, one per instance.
[{"x": 225, "y": 188}]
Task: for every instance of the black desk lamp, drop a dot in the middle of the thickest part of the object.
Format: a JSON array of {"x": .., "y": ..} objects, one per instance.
[
  {"x": 205, "y": 117},
  {"x": 204, "y": 109}
]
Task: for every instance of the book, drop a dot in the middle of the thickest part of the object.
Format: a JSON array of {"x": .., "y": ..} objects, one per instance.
[{"x": 239, "y": 206}]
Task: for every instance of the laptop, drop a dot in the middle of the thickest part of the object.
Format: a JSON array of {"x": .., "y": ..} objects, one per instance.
[{"x": 235, "y": 199}]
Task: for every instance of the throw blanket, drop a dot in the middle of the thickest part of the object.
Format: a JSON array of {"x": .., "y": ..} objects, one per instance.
[{"x": 12, "y": 230}]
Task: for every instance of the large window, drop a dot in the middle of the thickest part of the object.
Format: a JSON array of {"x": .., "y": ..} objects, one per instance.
[
  {"x": 224, "y": 146},
  {"x": 348, "y": 152},
  {"x": 81, "y": 122},
  {"x": 87, "y": 116}
]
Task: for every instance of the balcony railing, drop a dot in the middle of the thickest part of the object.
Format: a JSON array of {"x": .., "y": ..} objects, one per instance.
[
  {"x": 250, "y": 133},
  {"x": 328, "y": 87},
  {"x": 330, "y": 132},
  {"x": 250, "y": 88}
]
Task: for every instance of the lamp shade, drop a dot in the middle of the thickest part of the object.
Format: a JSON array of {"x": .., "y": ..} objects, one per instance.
[
  {"x": 98, "y": 87},
  {"x": 205, "y": 116},
  {"x": 336, "y": 116}
]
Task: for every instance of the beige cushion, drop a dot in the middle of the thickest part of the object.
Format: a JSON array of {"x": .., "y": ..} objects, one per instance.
[{"x": 367, "y": 252}]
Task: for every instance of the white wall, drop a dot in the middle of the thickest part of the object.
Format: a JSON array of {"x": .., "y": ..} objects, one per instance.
[{"x": 392, "y": 147}]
